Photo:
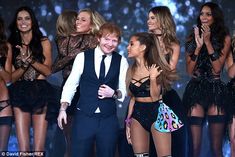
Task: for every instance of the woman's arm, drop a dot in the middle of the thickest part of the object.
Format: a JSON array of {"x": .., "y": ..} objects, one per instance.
[
  {"x": 69, "y": 47},
  {"x": 45, "y": 67},
  {"x": 175, "y": 56},
  {"x": 128, "y": 119},
  {"x": 155, "y": 88},
  {"x": 130, "y": 107},
  {"x": 191, "y": 59},
  {"x": 218, "y": 63},
  {"x": 5, "y": 72},
  {"x": 230, "y": 65}
]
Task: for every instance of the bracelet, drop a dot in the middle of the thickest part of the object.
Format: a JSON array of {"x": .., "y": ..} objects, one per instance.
[
  {"x": 128, "y": 121},
  {"x": 24, "y": 66},
  {"x": 32, "y": 61},
  {"x": 214, "y": 56},
  {"x": 8, "y": 84},
  {"x": 193, "y": 57},
  {"x": 115, "y": 95}
]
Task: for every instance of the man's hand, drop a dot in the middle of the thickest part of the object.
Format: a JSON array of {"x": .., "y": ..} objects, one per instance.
[
  {"x": 105, "y": 92},
  {"x": 62, "y": 118}
]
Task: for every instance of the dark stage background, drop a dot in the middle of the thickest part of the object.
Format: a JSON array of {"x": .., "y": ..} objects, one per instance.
[{"x": 131, "y": 16}]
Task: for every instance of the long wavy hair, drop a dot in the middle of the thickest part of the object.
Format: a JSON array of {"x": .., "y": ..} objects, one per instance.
[
  {"x": 218, "y": 28},
  {"x": 153, "y": 55},
  {"x": 66, "y": 23},
  {"x": 35, "y": 44},
  {"x": 167, "y": 24},
  {"x": 3, "y": 39},
  {"x": 96, "y": 19},
  {"x": 233, "y": 46}
]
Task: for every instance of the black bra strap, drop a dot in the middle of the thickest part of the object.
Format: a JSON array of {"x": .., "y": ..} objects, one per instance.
[
  {"x": 2, "y": 107},
  {"x": 139, "y": 81}
]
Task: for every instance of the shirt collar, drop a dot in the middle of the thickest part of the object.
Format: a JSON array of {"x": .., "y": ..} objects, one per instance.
[{"x": 100, "y": 53}]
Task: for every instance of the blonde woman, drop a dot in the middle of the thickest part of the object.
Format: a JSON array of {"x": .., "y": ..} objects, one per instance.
[{"x": 76, "y": 32}]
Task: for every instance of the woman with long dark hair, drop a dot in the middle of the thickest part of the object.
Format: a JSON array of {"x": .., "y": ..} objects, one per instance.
[
  {"x": 230, "y": 65},
  {"x": 206, "y": 50},
  {"x": 30, "y": 92},
  {"x": 148, "y": 79},
  {"x": 161, "y": 23},
  {"x": 5, "y": 81}
]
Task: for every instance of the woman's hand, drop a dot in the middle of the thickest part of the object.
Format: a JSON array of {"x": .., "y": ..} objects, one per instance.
[
  {"x": 154, "y": 71},
  {"x": 24, "y": 54},
  {"x": 62, "y": 118},
  {"x": 128, "y": 134},
  {"x": 198, "y": 38},
  {"x": 206, "y": 33}
]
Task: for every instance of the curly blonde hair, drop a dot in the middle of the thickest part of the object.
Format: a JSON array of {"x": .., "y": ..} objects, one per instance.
[
  {"x": 65, "y": 24},
  {"x": 96, "y": 19}
]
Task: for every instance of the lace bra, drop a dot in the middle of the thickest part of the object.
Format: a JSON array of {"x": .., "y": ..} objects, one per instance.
[
  {"x": 143, "y": 90},
  {"x": 30, "y": 74}
]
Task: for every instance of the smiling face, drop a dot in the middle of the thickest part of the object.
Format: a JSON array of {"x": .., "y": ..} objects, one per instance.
[
  {"x": 24, "y": 21},
  {"x": 83, "y": 22},
  {"x": 206, "y": 17},
  {"x": 134, "y": 48},
  {"x": 108, "y": 43},
  {"x": 153, "y": 24}
]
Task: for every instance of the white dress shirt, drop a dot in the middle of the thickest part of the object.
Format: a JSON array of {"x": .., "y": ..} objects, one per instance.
[{"x": 73, "y": 80}]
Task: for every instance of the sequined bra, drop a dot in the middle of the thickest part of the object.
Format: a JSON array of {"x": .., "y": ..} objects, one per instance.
[
  {"x": 203, "y": 67},
  {"x": 143, "y": 90}
]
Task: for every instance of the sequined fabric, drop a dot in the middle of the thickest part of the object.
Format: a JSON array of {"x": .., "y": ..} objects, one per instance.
[
  {"x": 205, "y": 88},
  {"x": 30, "y": 74},
  {"x": 68, "y": 48}
]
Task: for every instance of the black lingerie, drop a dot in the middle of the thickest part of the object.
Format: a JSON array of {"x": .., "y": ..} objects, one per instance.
[
  {"x": 205, "y": 88},
  {"x": 143, "y": 90},
  {"x": 146, "y": 113},
  {"x": 2, "y": 107}
]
